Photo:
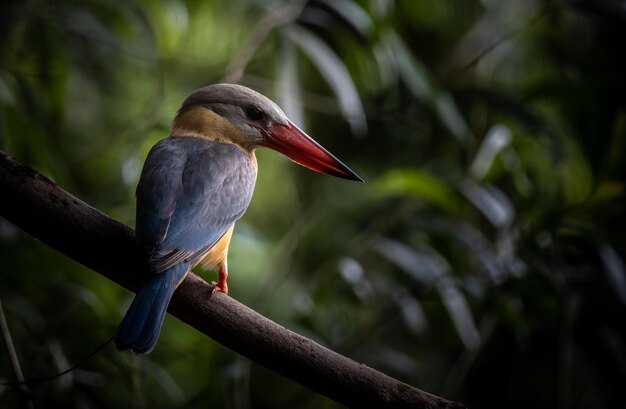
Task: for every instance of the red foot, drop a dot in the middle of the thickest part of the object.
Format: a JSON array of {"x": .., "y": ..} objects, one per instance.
[{"x": 221, "y": 286}]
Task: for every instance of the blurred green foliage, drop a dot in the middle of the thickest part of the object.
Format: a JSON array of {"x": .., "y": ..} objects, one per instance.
[{"x": 483, "y": 260}]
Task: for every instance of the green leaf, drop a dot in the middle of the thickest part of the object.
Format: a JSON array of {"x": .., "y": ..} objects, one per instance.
[
  {"x": 417, "y": 184},
  {"x": 423, "y": 85},
  {"x": 336, "y": 74}
]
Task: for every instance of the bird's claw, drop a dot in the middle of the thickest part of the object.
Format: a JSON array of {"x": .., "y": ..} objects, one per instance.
[{"x": 216, "y": 287}]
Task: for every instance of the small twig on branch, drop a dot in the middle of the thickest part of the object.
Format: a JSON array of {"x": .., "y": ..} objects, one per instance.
[
  {"x": 499, "y": 41},
  {"x": 15, "y": 362},
  {"x": 42, "y": 209}
]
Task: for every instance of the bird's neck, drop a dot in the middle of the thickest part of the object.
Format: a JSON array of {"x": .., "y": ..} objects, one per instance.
[{"x": 200, "y": 122}]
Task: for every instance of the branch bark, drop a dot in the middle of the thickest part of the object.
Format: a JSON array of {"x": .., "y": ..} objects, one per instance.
[{"x": 45, "y": 211}]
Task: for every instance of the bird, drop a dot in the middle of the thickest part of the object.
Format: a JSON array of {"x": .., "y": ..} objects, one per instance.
[{"x": 195, "y": 184}]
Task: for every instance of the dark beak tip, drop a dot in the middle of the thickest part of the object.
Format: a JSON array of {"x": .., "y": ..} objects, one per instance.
[
  {"x": 349, "y": 173},
  {"x": 356, "y": 178},
  {"x": 344, "y": 172}
]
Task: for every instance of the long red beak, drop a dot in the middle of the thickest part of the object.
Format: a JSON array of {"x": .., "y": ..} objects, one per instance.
[{"x": 302, "y": 149}]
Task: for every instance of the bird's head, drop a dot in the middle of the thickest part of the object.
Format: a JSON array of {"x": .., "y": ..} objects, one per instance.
[{"x": 235, "y": 114}]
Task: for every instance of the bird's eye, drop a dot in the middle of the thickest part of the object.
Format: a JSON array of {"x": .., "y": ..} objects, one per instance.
[{"x": 254, "y": 113}]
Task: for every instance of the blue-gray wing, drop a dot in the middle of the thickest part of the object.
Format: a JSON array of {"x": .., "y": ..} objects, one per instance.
[{"x": 190, "y": 193}]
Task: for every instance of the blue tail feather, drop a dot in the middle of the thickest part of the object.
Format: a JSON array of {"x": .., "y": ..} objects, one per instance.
[{"x": 140, "y": 327}]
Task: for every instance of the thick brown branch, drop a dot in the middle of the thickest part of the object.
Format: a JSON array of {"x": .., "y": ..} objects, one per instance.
[{"x": 45, "y": 211}]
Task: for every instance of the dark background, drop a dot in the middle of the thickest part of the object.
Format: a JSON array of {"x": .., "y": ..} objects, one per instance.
[{"x": 482, "y": 260}]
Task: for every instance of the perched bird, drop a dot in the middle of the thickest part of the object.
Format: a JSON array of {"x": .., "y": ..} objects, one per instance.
[{"x": 196, "y": 184}]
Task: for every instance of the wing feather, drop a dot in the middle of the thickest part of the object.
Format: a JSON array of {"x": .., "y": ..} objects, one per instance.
[{"x": 190, "y": 193}]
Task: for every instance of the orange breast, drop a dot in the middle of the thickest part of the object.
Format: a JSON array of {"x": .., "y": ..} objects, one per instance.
[{"x": 218, "y": 253}]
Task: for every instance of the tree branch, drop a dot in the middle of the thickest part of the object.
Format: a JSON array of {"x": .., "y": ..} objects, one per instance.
[{"x": 48, "y": 213}]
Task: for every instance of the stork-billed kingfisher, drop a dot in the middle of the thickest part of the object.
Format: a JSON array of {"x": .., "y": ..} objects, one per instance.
[{"x": 196, "y": 184}]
